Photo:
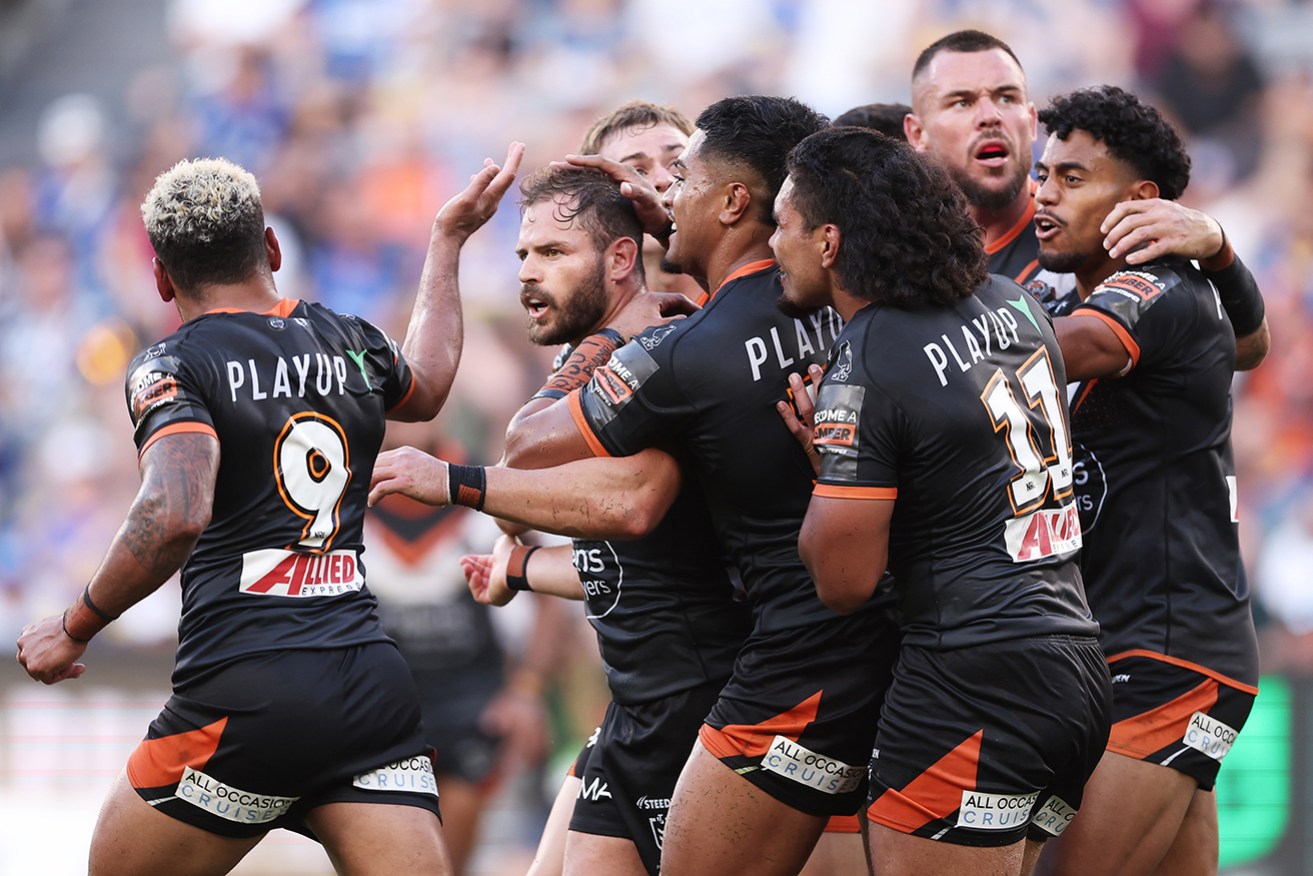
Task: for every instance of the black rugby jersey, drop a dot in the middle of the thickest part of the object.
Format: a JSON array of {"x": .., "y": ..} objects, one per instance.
[
  {"x": 663, "y": 606},
  {"x": 709, "y": 384},
  {"x": 296, "y": 398},
  {"x": 1155, "y": 476},
  {"x": 959, "y": 416}
]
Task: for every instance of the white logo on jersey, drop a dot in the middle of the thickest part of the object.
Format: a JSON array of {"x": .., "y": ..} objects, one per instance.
[
  {"x": 290, "y": 573},
  {"x": 793, "y": 761},
  {"x": 809, "y": 339},
  {"x": 995, "y": 811}
]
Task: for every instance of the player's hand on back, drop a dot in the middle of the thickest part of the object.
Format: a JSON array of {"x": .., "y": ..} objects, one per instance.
[
  {"x": 1147, "y": 229},
  {"x": 651, "y": 309},
  {"x": 412, "y": 473},
  {"x": 799, "y": 414},
  {"x": 652, "y": 213},
  {"x": 469, "y": 210}
]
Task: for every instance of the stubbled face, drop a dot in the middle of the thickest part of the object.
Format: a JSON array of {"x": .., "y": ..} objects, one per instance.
[
  {"x": 1079, "y": 184},
  {"x": 971, "y": 112},
  {"x": 650, "y": 150},
  {"x": 562, "y": 276},
  {"x": 694, "y": 202},
  {"x": 806, "y": 287}
]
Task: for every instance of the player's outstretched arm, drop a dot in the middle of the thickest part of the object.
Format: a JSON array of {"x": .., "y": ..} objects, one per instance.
[
  {"x": 436, "y": 332},
  {"x": 619, "y": 497},
  {"x": 1090, "y": 348},
  {"x": 1148, "y": 229},
  {"x": 172, "y": 509},
  {"x": 553, "y": 571}
]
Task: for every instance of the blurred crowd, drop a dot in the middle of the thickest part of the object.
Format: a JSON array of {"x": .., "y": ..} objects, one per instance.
[{"x": 360, "y": 117}]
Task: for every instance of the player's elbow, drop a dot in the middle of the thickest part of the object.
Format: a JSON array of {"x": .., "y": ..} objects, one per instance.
[{"x": 1252, "y": 349}]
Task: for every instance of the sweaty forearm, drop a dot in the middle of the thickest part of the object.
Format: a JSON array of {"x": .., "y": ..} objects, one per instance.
[{"x": 435, "y": 333}]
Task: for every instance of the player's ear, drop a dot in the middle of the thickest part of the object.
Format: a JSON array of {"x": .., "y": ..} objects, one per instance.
[
  {"x": 1144, "y": 190},
  {"x": 621, "y": 257},
  {"x": 832, "y": 238},
  {"x": 738, "y": 200},
  {"x": 163, "y": 282},
  {"x": 272, "y": 249},
  {"x": 914, "y": 131}
]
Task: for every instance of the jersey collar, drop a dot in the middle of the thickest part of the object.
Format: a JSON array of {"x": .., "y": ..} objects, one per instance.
[{"x": 743, "y": 271}]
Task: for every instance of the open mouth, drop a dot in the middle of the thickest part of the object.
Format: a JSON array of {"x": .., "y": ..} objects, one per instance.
[
  {"x": 993, "y": 153},
  {"x": 1046, "y": 227},
  {"x": 534, "y": 306}
]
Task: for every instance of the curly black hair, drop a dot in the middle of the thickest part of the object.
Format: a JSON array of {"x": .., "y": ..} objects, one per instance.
[
  {"x": 757, "y": 131},
  {"x": 906, "y": 238},
  {"x": 1133, "y": 132},
  {"x": 594, "y": 201}
]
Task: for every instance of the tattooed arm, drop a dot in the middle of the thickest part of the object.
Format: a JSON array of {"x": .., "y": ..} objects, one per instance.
[{"x": 171, "y": 510}]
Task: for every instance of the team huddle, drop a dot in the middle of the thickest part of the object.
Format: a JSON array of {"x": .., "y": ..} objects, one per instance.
[{"x": 903, "y": 511}]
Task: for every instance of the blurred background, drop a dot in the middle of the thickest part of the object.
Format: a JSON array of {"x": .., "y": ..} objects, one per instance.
[{"x": 361, "y": 117}]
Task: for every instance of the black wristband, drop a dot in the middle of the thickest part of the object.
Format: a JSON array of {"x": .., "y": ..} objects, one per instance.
[
  {"x": 95, "y": 609},
  {"x": 63, "y": 622},
  {"x": 517, "y": 568},
  {"x": 1240, "y": 296},
  {"x": 467, "y": 485}
]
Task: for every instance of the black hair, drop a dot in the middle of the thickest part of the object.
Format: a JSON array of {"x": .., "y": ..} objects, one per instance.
[
  {"x": 757, "y": 131},
  {"x": 1133, "y": 132},
  {"x": 906, "y": 239},
  {"x": 887, "y": 118}
]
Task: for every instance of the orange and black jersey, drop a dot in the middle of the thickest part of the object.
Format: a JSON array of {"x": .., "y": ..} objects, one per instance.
[
  {"x": 1155, "y": 476},
  {"x": 958, "y": 416},
  {"x": 296, "y": 399},
  {"x": 708, "y": 385}
]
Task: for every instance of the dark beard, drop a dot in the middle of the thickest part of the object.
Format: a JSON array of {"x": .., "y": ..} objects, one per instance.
[
  {"x": 581, "y": 314},
  {"x": 1061, "y": 262},
  {"x": 990, "y": 200},
  {"x": 670, "y": 267},
  {"x": 793, "y": 309}
]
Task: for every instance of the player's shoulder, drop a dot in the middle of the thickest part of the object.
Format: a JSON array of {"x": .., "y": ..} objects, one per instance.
[{"x": 1149, "y": 281}]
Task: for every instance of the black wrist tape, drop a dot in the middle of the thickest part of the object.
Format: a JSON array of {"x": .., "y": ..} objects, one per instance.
[{"x": 467, "y": 485}]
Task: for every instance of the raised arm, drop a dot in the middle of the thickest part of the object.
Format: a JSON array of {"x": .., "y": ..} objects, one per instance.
[
  {"x": 436, "y": 333},
  {"x": 172, "y": 509}
]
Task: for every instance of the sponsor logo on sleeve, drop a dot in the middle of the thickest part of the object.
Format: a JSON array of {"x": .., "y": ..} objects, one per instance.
[
  {"x": 1054, "y": 816},
  {"x": 229, "y": 803},
  {"x": 799, "y": 764},
  {"x": 1209, "y": 735},
  {"x": 981, "y": 811},
  {"x": 152, "y": 384},
  {"x": 614, "y": 384},
  {"x": 300, "y": 575},
  {"x": 413, "y": 774},
  {"x": 835, "y": 428}
]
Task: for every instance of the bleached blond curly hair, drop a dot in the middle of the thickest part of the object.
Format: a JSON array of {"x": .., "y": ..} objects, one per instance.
[{"x": 206, "y": 222}]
